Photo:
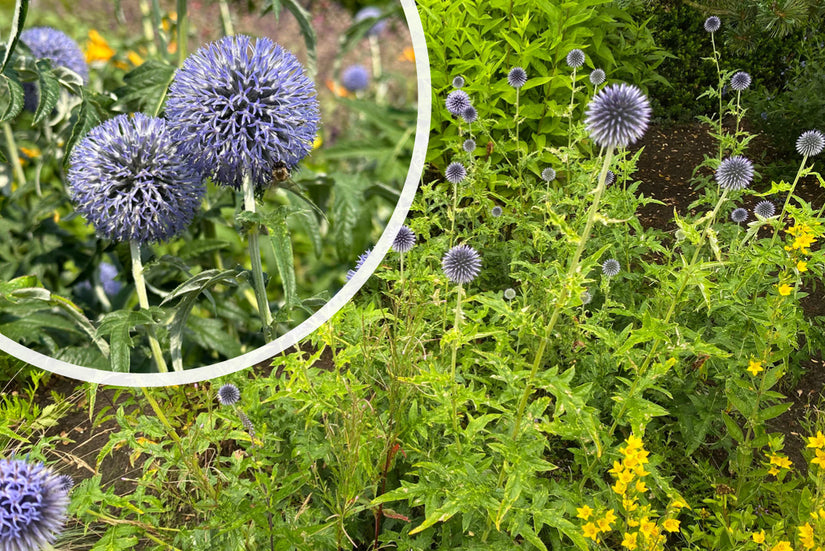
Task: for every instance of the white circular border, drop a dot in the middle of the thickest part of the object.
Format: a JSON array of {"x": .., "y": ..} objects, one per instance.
[{"x": 422, "y": 66}]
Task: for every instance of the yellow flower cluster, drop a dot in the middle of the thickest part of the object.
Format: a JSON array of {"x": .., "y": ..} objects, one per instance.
[
  {"x": 818, "y": 444},
  {"x": 778, "y": 462},
  {"x": 804, "y": 237}
]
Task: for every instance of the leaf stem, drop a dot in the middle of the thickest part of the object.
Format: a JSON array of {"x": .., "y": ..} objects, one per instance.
[
  {"x": 14, "y": 159},
  {"x": 143, "y": 300},
  {"x": 457, "y": 329},
  {"x": 255, "y": 259}
]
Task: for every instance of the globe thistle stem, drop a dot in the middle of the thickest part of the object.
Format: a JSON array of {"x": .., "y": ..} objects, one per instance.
[
  {"x": 226, "y": 19},
  {"x": 183, "y": 31},
  {"x": 148, "y": 28},
  {"x": 143, "y": 300},
  {"x": 518, "y": 148},
  {"x": 457, "y": 329},
  {"x": 377, "y": 69},
  {"x": 718, "y": 89},
  {"x": 781, "y": 217},
  {"x": 11, "y": 145},
  {"x": 255, "y": 259},
  {"x": 570, "y": 120}
]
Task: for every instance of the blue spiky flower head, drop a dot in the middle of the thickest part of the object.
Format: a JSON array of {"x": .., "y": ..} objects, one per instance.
[
  {"x": 461, "y": 264},
  {"x": 739, "y": 215},
  {"x": 469, "y": 145},
  {"x": 455, "y": 172},
  {"x": 228, "y": 394},
  {"x": 548, "y": 174},
  {"x": 358, "y": 263},
  {"x": 355, "y": 78},
  {"x": 33, "y": 502},
  {"x": 765, "y": 209},
  {"x": 57, "y": 47},
  {"x": 469, "y": 114},
  {"x": 734, "y": 173},
  {"x": 597, "y": 77},
  {"x": 404, "y": 240},
  {"x": 611, "y": 267},
  {"x": 458, "y": 82},
  {"x": 496, "y": 211},
  {"x": 618, "y": 115},
  {"x": 127, "y": 179},
  {"x": 517, "y": 77},
  {"x": 575, "y": 58},
  {"x": 712, "y": 24},
  {"x": 609, "y": 178},
  {"x": 457, "y": 101},
  {"x": 810, "y": 143},
  {"x": 740, "y": 81},
  {"x": 240, "y": 107},
  {"x": 371, "y": 12}
]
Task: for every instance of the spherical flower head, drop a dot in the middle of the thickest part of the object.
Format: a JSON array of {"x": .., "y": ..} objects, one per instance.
[
  {"x": 609, "y": 178},
  {"x": 65, "y": 482},
  {"x": 586, "y": 297},
  {"x": 810, "y": 143},
  {"x": 575, "y": 58},
  {"x": 404, "y": 240},
  {"x": 734, "y": 173},
  {"x": 242, "y": 108},
  {"x": 712, "y": 24},
  {"x": 469, "y": 114},
  {"x": 370, "y": 12},
  {"x": 618, "y": 115},
  {"x": 108, "y": 273},
  {"x": 739, "y": 215},
  {"x": 611, "y": 267},
  {"x": 509, "y": 293},
  {"x": 457, "y": 101},
  {"x": 765, "y": 209},
  {"x": 740, "y": 81},
  {"x": 355, "y": 78},
  {"x": 228, "y": 395},
  {"x": 455, "y": 172},
  {"x": 517, "y": 77},
  {"x": 597, "y": 77},
  {"x": 127, "y": 179},
  {"x": 548, "y": 174},
  {"x": 496, "y": 211},
  {"x": 458, "y": 82},
  {"x": 469, "y": 145},
  {"x": 57, "y": 47},
  {"x": 33, "y": 502},
  {"x": 461, "y": 264},
  {"x": 360, "y": 262}
]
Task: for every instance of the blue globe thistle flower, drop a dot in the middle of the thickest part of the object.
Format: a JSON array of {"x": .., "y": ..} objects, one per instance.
[
  {"x": 404, "y": 240},
  {"x": 469, "y": 145},
  {"x": 455, "y": 172},
  {"x": 517, "y": 77},
  {"x": 457, "y": 101},
  {"x": 509, "y": 293},
  {"x": 461, "y": 264},
  {"x": 355, "y": 78},
  {"x": 810, "y": 143},
  {"x": 765, "y": 209},
  {"x": 548, "y": 174},
  {"x": 575, "y": 58},
  {"x": 739, "y": 215},
  {"x": 33, "y": 502},
  {"x": 469, "y": 114},
  {"x": 458, "y": 82},
  {"x": 66, "y": 482},
  {"x": 740, "y": 81},
  {"x": 228, "y": 395},
  {"x": 617, "y": 116},
  {"x": 611, "y": 267},
  {"x": 609, "y": 178},
  {"x": 496, "y": 211},
  {"x": 360, "y": 262},
  {"x": 239, "y": 107},
  {"x": 597, "y": 77},
  {"x": 734, "y": 173},
  {"x": 57, "y": 47},
  {"x": 247, "y": 424},
  {"x": 108, "y": 273},
  {"x": 127, "y": 179},
  {"x": 712, "y": 24},
  {"x": 370, "y": 12}
]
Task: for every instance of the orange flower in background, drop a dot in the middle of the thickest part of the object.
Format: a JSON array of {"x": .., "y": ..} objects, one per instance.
[
  {"x": 407, "y": 55},
  {"x": 337, "y": 89},
  {"x": 134, "y": 58},
  {"x": 97, "y": 49}
]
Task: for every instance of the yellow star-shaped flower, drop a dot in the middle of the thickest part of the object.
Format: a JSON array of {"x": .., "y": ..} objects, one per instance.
[
  {"x": 802, "y": 266},
  {"x": 758, "y": 537},
  {"x": 785, "y": 289},
  {"x": 671, "y": 525},
  {"x": 754, "y": 367},
  {"x": 584, "y": 512},
  {"x": 819, "y": 459},
  {"x": 817, "y": 441}
]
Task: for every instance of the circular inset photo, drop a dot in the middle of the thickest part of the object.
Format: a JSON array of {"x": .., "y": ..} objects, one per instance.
[{"x": 184, "y": 195}]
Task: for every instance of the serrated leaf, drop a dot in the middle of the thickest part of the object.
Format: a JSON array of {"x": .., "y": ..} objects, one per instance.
[
  {"x": 49, "y": 91},
  {"x": 145, "y": 85},
  {"x": 21, "y": 8},
  {"x": 86, "y": 119},
  {"x": 282, "y": 244},
  {"x": 14, "y": 97},
  {"x": 118, "y": 326},
  {"x": 302, "y": 16}
]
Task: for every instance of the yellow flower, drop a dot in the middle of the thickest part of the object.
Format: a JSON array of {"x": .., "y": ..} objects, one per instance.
[
  {"x": 817, "y": 441},
  {"x": 806, "y": 535},
  {"x": 819, "y": 459},
  {"x": 629, "y": 540},
  {"x": 640, "y": 486},
  {"x": 755, "y": 367},
  {"x": 605, "y": 522},
  {"x": 785, "y": 289},
  {"x": 634, "y": 442},
  {"x": 759, "y": 537},
  {"x": 97, "y": 49},
  {"x": 678, "y": 504},
  {"x": 584, "y": 512},
  {"x": 782, "y": 546},
  {"x": 671, "y": 525},
  {"x": 774, "y": 471},
  {"x": 626, "y": 477},
  {"x": 317, "y": 142},
  {"x": 647, "y": 528},
  {"x": 407, "y": 55},
  {"x": 781, "y": 461},
  {"x": 802, "y": 266},
  {"x": 629, "y": 504},
  {"x": 620, "y": 487},
  {"x": 590, "y": 531},
  {"x": 134, "y": 58},
  {"x": 32, "y": 153}
]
